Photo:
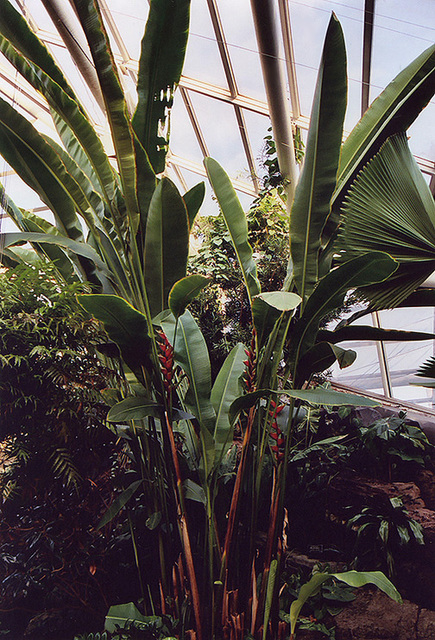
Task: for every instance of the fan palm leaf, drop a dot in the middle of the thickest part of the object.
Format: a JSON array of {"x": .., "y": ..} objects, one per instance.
[{"x": 390, "y": 208}]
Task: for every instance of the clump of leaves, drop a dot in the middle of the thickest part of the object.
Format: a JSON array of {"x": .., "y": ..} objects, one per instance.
[
  {"x": 52, "y": 413},
  {"x": 380, "y": 534},
  {"x": 391, "y": 443},
  {"x": 58, "y": 455}
]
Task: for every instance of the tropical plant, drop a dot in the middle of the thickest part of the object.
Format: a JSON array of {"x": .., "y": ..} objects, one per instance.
[
  {"x": 211, "y": 460},
  {"x": 381, "y": 533},
  {"x": 52, "y": 411},
  {"x": 58, "y": 459}
]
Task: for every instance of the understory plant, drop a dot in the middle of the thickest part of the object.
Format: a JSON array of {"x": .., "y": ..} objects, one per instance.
[
  {"x": 59, "y": 462},
  {"x": 209, "y": 476}
]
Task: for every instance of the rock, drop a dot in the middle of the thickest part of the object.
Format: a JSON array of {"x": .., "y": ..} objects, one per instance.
[
  {"x": 374, "y": 616},
  {"x": 426, "y": 625},
  {"x": 425, "y": 480}
]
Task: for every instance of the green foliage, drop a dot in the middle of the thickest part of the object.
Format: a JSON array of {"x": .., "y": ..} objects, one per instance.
[
  {"x": 207, "y": 465},
  {"x": 51, "y": 408},
  {"x": 392, "y": 442},
  {"x": 57, "y": 454},
  {"x": 381, "y": 533}
]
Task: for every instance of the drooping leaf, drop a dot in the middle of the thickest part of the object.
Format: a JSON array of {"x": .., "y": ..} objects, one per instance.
[
  {"x": 63, "y": 263},
  {"x": 125, "y": 325},
  {"x": 184, "y": 291},
  {"x": 119, "y": 502},
  {"x": 329, "y": 295},
  {"x": 190, "y": 352},
  {"x": 140, "y": 407},
  {"x": 166, "y": 244},
  {"x": 316, "y": 396},
  {"x": 235, "y": 220},
  {"x": 317, "y": 181},
  {"x": 362, "y": 332},
  {"x": 352, "y": 578},
  {"x": 160, "y": 65},
  {"x": 322, "y": 356},
  {"x": 225, "y": 390},
  {"x": 134, "y": 408},
  {"x": 70, "y": 116},
  {"x": 15, "y": 29},
  {"x": 40, "y": 167},
  {"x": 193, "y": 200},
  {"x": 79, "y": 248},
  {"x": 393, "y": 111}
]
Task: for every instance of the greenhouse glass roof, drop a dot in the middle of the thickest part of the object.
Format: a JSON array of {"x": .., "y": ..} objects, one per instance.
[{"x": 222, "y": 108}]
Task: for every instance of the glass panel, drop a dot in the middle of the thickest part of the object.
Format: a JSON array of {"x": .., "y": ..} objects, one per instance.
[
  {"x": 240, "y": 35},
  {"x": 130, "y": 20},
  {"x": 222, "y": 134},
  {"x": 202, "y": 57},
  {"x": 183, "y": 141},
  {"x": 309, "y": 23}
]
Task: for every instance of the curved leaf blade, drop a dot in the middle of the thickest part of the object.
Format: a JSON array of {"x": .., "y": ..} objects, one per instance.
[
  {"x": 318, "y": 179},
  {"x": 114, "y": 100},
  {"x": 236, "y": 222},
  {"x": 193, "y": 200},
  {"x": 393, "y": 111},
  {"x": 125, "y": 325},
  {"x": 161, "y": 61},
  {"x": 225, "y": 390},
  {"x": 184, "y": 291},
  {"x": 118, "y": 504},
  {"x": 166, "y": 244},
  {"x": 190, "y": 352},
  {"x": 79, "y": 248},
  {"x": 329, "y": 295}
]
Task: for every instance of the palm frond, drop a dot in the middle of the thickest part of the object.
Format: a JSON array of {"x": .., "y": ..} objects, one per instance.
[
  {"x": 390, "y": 208},
  {"x": 427, "y": 369}
]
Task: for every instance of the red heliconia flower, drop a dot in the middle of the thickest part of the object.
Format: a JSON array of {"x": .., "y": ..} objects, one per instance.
[
  {"x": 166, "y": 357},
  {"x": 251, "y": 366},
  {"x": 276, "y": 433}
]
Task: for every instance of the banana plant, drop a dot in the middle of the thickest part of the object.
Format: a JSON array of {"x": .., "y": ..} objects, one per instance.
[{"x": 126, "y": 231}]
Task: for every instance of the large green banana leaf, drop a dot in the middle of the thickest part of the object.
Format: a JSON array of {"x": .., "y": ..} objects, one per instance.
[
  {"x": 15, "y": 29},
  {"x": 160, "y": 65},
  {"x": 79, "y": 248},
  {"x": 317, "y": 181},
  {"x": 124, "y": 324},
  {"x": 69, "y": 115},
  {"x": 235, "y": 220},
  {"x": 329, "y": 295},
  {"x": 190, "y": 351},
  {"x": 114, "y": 100},
  {"x": 226, "y": 388},
  {"x": 40, "y": 167},
  {"x": 390, "y": 208},
  {"x": 166, "y": 244}
]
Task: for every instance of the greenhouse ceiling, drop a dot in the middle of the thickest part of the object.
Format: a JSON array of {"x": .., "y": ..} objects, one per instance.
[
  {"x": 222, "y": 107},
  {"x": 247, "y": 61}
]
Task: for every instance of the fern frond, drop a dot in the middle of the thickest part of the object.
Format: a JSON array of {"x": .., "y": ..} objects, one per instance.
[{"x": 64, "y": 468}]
